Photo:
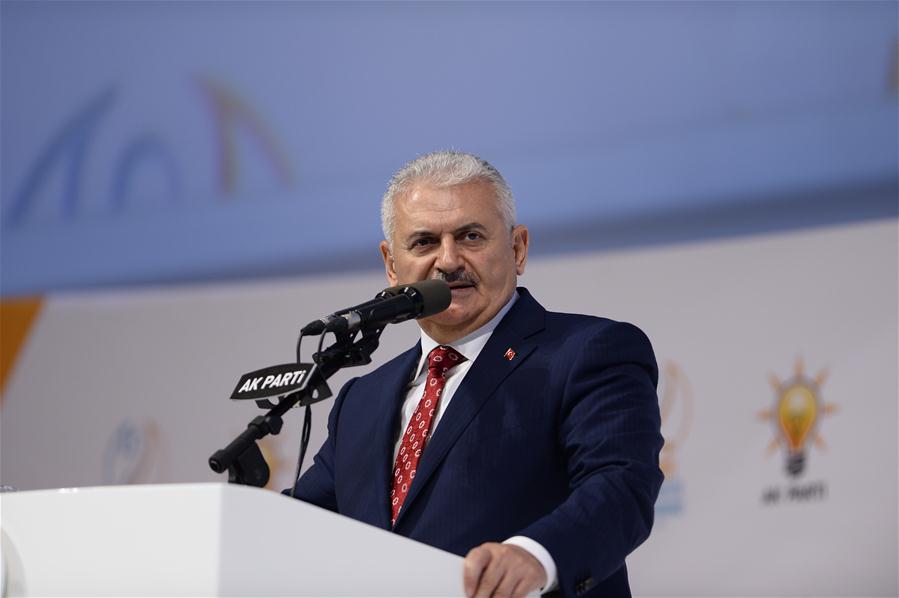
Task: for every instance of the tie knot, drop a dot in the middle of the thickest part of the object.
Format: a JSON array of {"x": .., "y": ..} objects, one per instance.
[{"x": 442, "y": 358}]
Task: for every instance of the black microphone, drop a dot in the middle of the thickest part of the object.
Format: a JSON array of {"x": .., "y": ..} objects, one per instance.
[{"x": 390, "y": 306}]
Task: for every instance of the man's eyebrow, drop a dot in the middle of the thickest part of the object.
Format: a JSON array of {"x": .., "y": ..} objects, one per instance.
[
  {"x": 419, "y": 233},
  {"x": 423, "y": 232},
  {"x": 470, "y": 226}
]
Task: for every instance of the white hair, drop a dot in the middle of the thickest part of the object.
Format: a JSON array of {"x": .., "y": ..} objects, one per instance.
[{"x": 445, "y": 169}]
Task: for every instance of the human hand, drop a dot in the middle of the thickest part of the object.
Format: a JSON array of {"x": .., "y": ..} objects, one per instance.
[{"x": 493, "y": 569}]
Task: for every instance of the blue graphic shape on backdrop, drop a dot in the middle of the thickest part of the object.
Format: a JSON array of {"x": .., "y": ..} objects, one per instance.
[
  {"x": 144, "y": 152},
  {"x": 68, "y": 149}
]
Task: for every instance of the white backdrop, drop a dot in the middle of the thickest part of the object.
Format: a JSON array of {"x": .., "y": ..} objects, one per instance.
[{"x": 132, "y": 387}]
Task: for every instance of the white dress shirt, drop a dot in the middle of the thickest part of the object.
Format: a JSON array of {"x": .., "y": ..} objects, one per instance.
[{"x": 469, "y": 346}]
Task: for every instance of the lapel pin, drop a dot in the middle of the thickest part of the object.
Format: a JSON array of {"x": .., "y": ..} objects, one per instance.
[{"x": 510, "y": 354}]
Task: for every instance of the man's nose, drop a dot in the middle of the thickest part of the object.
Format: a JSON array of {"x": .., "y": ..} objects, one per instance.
[{"x": 448, "y": 259}]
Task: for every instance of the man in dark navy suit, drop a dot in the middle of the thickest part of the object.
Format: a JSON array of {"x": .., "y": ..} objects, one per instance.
[{"x": 526, "y": 440}]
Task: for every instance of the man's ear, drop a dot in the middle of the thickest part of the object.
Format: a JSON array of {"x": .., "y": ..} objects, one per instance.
[
  {"x": 389, "y": 265},
  {"x": 520, "y": 247}
]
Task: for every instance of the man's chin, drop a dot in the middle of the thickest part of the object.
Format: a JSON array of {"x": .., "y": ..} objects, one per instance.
[
  {"x": 445, "y": 319},
  {"x": 453, "y": 317}
]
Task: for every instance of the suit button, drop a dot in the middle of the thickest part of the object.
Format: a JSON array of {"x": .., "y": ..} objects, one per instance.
[{"x": 583, "y": 586}]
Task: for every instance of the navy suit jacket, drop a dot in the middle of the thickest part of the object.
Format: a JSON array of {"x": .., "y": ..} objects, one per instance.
[{"x": 559, "y": 444}]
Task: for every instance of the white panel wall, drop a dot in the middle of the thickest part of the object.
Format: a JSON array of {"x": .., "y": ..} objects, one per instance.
[{"x": 132, "y": 387}]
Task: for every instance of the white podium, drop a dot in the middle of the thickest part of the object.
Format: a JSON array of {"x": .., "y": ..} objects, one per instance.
[{"x": 206, "y": 540}]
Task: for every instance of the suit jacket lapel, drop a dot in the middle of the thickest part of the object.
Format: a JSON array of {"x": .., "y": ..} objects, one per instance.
[
  {"x": 489, "y": 370},
  {"x": 392, "y": 390}
]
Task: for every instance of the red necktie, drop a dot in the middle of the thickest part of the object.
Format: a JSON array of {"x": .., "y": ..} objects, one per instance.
[{"x": 440, "y": 360}]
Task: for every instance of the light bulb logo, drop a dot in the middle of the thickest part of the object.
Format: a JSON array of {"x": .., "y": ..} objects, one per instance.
[{"x": 797, "y": 410}]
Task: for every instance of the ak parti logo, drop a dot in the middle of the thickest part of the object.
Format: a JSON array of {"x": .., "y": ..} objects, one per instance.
[{"x": 796, "y": 417}]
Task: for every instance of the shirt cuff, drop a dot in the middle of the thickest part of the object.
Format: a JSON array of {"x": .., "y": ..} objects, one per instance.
[{"x": 541, "y": 554}]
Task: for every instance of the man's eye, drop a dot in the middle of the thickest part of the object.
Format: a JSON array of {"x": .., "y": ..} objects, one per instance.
[
  {"x": 472, "y": 236},
  {"x": 423, "y": 242}
]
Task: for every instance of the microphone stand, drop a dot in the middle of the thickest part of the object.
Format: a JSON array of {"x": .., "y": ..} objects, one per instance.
[{"x": 242, "y": 457}]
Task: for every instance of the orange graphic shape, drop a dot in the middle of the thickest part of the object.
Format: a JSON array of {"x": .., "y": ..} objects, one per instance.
[
  {"x": 230, "y": 111},
  {"x": 275, "y": 460},
  {"x": 16, "y": 319}
]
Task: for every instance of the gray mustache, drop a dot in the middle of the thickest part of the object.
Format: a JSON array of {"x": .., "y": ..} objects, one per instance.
[{"x": 457, "y": 276}]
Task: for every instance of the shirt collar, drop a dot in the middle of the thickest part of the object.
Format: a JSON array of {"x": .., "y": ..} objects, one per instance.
[{"x": 470, "y": 346}]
